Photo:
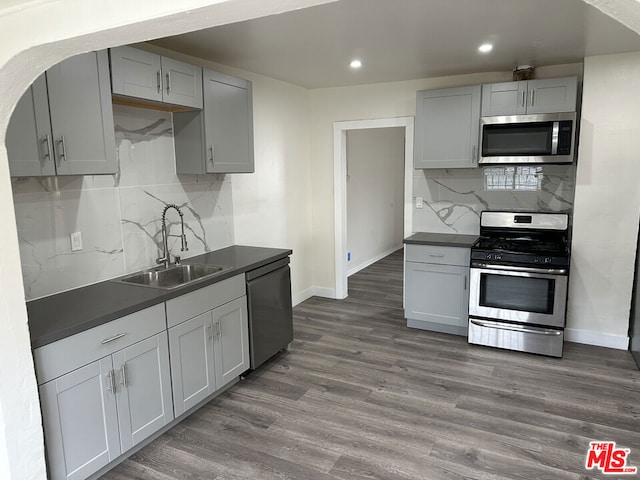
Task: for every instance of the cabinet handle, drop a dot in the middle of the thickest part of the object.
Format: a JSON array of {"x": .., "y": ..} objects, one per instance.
[
  {"x": 465, "y": 282},
  {"x": 111, "y": 386},
  {"x": 169, "y": 82},
  {"x": 439, "y": 255},
  {"x": 115, "y": 337},
  {"x": 533, "y": 92},
  {"x": 219, "y": 329},
  {"x": 524, "y": 94},
  {"x": 63, "y": 148},
  {"x": 473, "y": 154},
  {"x": 211, "y": 153},
  {"x": 210, "y": 329},
  {"x": 159, "y": 81},
  {"x": 123, "y": 371},
  {"x": 47, "y": 143}
]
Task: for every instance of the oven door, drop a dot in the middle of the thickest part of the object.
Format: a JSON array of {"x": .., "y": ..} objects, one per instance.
[{"x": 518, "y": 294}]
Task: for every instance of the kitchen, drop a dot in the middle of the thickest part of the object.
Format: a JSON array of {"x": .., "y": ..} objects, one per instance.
[{"x": 398, "y": 100}]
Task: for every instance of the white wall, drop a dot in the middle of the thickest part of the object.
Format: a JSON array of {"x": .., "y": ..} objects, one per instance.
[
  {"x": 607, "y": 202},
  {"x": 375, "y": 194}
]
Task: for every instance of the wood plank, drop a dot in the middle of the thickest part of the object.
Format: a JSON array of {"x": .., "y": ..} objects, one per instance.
[{"x": 361, "y": 396}]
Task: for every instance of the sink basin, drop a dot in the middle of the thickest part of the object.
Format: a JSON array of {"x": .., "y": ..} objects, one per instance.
[{"x": 172, "y": 277}]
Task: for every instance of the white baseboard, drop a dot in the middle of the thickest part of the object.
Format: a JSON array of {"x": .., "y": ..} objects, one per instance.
[
  {"x": 313, "y": 292},
  {"x": 364, "y": 265},
  {"x": 589, "y": 337}
]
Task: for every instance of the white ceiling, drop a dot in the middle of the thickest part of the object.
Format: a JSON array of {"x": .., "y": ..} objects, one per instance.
[{"x": 408, "y": 39}]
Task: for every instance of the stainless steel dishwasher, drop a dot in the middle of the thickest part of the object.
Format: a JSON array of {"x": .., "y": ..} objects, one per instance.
[{"x": 270, "y": 310}]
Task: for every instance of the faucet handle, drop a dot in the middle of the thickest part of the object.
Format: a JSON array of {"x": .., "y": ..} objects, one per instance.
[
  {"x": 184, "y": 243},
  {"x": 177, "y": 259}
]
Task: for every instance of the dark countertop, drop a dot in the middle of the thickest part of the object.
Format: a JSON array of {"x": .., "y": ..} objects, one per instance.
[
  {"x": 64, "y": 314},
  {"x": 442, "y": 239}
]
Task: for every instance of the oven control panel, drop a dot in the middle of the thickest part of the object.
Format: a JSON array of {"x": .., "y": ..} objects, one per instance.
[
  {"x": 493, "y": 256},
  {"x": 544, "y": 260}
]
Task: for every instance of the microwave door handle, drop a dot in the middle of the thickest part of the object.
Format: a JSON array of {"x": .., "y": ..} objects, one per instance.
[{"x": 554, "y": 138}]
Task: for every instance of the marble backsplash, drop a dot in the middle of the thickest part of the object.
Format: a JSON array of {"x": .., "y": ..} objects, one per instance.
[
  {"x": 454, "y": 198},
  {"x": 118, "y": 215}
]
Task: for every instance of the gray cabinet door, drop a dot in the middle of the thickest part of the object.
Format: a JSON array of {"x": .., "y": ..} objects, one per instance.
[
  {"x": 447, "y": 127},
  {"x": 552, "y": 95},
  {"x": 28, "y": 138},
  {"x": 80, "y": 421},
  {"x": 232, "y": 340},
  {"x": 192, "y": 368},
  {"x": 143, "y": 390},
  {"x": 228, "y": 124},
  {"x": 437, "y": 294},
  {"x": 507, "y": 98},
  {"x": 182, "y": 83},
  {"x": 136, "y": 73},
  {"x": 82, "y": 115}
]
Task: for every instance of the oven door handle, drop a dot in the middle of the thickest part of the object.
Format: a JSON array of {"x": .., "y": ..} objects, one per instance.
[
  {"x": 515, "y": 328},
  {"x": 508, "y": 268}
]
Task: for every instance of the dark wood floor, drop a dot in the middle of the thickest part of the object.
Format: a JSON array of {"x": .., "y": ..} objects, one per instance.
[{"x": 360, "y": 396}]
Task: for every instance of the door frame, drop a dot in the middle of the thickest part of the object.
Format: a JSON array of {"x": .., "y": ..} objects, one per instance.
[{"x": 340, "y": 186}]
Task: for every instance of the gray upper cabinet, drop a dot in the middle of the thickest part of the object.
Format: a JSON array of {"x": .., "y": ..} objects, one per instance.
[
  {"x": 219, "y": 139},
  {"x": 140, "y": 74},
  {"x": 64, "y": 123},
  {"x": 447, "y": 127},
  {"x": 551, "y": 95}
]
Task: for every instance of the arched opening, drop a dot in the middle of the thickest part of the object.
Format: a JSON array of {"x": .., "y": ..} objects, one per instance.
[{"x": 36, "y": 36}]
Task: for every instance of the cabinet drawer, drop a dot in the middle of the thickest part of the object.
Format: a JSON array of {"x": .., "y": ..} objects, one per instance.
[
  {"x": 73, "y": 352},
  {"x": 438, "y": 254},
  {"x": 199, "y": 301}
]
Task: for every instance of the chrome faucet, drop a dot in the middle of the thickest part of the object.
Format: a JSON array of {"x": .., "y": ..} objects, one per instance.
[{"x": 165, "y": 260}]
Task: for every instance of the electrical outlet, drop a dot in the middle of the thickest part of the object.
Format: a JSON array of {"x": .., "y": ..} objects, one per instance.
[
  {"x": 76, "y": 241},
  {"x": 419, "y": 202}
]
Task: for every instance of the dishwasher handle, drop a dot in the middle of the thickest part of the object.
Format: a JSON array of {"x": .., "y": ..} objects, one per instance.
[{"x": 264, "y": 270}]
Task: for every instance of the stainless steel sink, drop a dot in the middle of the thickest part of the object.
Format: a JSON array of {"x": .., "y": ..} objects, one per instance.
[{"x": 172, "y": 277}]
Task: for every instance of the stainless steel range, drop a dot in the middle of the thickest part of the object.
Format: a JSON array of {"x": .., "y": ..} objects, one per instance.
[{"x": 518, "y": 282}]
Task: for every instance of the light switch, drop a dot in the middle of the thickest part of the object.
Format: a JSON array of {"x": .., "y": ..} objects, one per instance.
[
  {"x": 76, "y": 241},
  {"x": 419, "y": 202}
]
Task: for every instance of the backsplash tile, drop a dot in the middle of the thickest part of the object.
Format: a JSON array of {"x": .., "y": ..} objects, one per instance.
[
  {"x": 118, "y": 215},
  {"x": 454, "y": 198}
]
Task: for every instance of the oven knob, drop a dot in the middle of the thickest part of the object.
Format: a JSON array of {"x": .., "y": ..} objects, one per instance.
[
  {"x": 487, "y": 256},
  {"x": 536, "y": 260},
  {"x": 547, "y": 259},
  {"x": 498, "y": 256}
]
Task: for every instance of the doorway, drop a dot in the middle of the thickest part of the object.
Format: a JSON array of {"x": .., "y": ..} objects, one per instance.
[{"x": 341, "y": 206}]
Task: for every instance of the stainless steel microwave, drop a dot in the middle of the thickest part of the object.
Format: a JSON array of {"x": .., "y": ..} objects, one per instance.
[{"x": 522, "y": 139}]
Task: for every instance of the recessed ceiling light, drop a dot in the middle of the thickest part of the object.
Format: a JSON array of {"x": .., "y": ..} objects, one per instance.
[
  {"x": 485, "y": 48},
  {"x": 355, "y": 63}
]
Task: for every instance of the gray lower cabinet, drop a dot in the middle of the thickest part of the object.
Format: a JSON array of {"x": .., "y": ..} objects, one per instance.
[
  {"x": 220, "y": 138},
  {"x": 110, "y": 390},
  {"x": 80, "y": 421},
  {"x": 140, "y": 74},
  {"x": 436, "y": 286},
  {"x": 63, "y": 124},
  {"x": 211, "y": 347},
  {"x": 447, "y": 127}
]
